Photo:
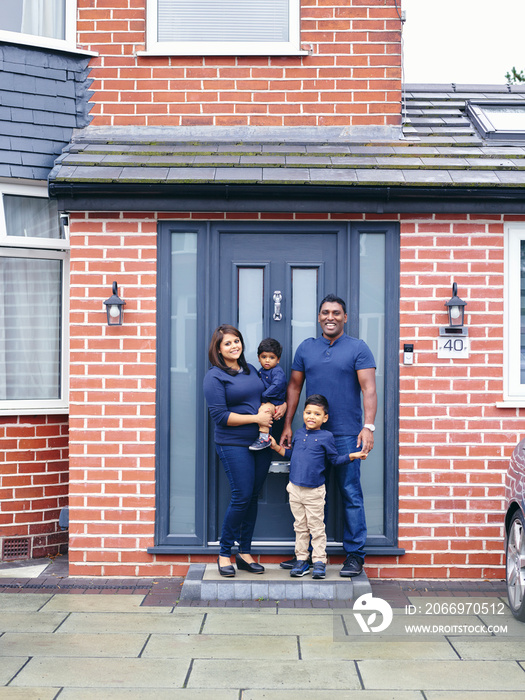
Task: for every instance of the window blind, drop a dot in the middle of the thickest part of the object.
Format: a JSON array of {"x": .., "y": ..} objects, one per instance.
[{"x": 223, "y": 20}]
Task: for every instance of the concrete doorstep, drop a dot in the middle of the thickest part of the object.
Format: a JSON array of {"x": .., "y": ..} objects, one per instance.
[{"x": 203, "y": 582}]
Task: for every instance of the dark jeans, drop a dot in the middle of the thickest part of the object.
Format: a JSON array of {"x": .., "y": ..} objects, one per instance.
[
  {"x": 246, "y": 472},
  {"x": 348, "y": 479}
]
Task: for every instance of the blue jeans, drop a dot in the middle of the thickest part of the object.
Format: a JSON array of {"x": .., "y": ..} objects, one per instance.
[
  {"x": 246, "y": 472},
  {"x": 348, "y": 479}
]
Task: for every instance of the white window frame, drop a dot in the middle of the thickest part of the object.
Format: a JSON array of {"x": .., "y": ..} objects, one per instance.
[
  {"x": 67, "y": 44},
  {"x": 513, "y": 390},
  {"x": 225, "y": 48},
  {"x": 39, "y": 248}
]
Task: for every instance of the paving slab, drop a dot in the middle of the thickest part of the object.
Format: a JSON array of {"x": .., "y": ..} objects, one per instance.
[
  {"x": 28, "y": 602},
  {"x": 331, "y": 675},
  {"x": 474, "y": 695},
  {"x": 30, "y": 621},
  {"x": 31, "y": 571},
  {"x": 100, "y": 603},
  {"x": 9, "y": 667},
  {"x": 442, "y": 675},
  {"x": 255, "y": 694},
  {"x": 104, "y": 673},
  {"x": 377, "y": 647},
  {"x": 28, "y": 693},
  {"x": 496, "y": 648},
  {"x": 221, "y": 646},
  {"x": 312, "y": 625},
  {"x": 143, "y": 694},
  {"x": 132, "y": 623},
  {"x": 418, "y": 626},
  {"x": 66, "y": 645}
]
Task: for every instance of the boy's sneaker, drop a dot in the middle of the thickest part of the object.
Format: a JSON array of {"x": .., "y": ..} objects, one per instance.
[
  {"x": 319, "y": 570},
  {"x": 261, "y": 443},
  {"x": 300, "y": 569},
  {"x": 290, "y": 563}
]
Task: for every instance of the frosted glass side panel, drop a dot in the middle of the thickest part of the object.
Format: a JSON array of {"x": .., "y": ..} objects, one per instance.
[
  {"x": 522, "y": 313},
  {"x": 183, "y": 423},
  {"x": 372, "y": 331},
  {"x": 250, "y": 296},
  {"x": 304, "y": 319}
]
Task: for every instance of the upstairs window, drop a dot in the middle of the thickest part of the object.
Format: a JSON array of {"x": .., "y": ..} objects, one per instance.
[
  {"x": 497, "y": 120},
  {"x": 46, "y": 23},
  {"x": 223, "y": 27}
]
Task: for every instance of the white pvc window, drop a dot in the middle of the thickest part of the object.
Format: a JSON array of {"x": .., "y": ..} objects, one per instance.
[
  {"x": 34, "y": 273},
  {"x": 46, "y": 23},
  {"x": 514, "y": 359},
  {"x": 223, "y": 27}
]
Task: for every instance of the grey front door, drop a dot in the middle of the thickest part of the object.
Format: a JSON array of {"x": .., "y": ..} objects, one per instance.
[{"x": 270, "y": 286}]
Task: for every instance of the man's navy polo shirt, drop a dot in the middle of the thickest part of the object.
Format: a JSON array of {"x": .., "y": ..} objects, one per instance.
[{"x": 331, "y": 370}]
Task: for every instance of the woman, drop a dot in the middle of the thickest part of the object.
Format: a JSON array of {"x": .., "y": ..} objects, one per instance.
[{"x": 233, "y": 391}]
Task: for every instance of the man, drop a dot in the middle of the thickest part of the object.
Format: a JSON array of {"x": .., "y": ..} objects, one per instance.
[{"x": 340, "y": 368}]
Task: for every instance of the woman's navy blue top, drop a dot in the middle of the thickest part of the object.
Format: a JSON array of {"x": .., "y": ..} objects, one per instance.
[{"x": 225, "y": 394}]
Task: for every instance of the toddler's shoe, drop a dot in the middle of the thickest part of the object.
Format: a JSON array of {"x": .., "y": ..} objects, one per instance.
[
  {"x": 261, "y": 443},
  {"x": 300, "y": 569},
  {"x": 319, "y": 570}
]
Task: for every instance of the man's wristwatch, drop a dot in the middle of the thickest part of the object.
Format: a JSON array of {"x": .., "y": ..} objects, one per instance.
[{"x": 370, "y": 426}]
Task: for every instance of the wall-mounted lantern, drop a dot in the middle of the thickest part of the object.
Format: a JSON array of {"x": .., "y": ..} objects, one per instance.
[
  {"x": 114, "y": 308},
  {"x": 456, "y": 315}
]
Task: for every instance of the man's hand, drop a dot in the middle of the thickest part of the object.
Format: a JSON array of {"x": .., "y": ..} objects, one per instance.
[
  {"x": 280, "y": 411},
  {"x": 365, "y": 440},
  {"x": 286, "y": 437}
]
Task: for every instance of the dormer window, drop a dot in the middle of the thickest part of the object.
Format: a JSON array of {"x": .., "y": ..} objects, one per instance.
[
  {"x": 223, "y": 27},
  {"x": 46, "y": 23},
  {"x": 498, "y": 120}
]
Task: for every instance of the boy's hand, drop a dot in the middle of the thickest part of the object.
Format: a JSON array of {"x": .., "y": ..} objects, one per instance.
[
  {"x": 358, "y": 455},
  {"x": 274, "y": 444}
]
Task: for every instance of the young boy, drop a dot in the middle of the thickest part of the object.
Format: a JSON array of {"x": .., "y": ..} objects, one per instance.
[
  {"x": 274, "y": 380},
  {"x": 311, "y": 448}
]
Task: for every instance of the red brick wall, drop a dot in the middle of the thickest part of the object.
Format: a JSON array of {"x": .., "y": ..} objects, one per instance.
[
  {"x": 353, "y": 76},
  {"x": 34, "y": 481},
  {"x": 454, "y": 442}
]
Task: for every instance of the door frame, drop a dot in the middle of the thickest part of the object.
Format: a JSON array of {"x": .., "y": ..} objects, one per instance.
[{"x": 208, "y": 233}]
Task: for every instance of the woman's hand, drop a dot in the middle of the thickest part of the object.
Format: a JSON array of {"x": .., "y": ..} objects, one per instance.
[
  {"x": 264, "y": 417},
  {"x": 280, "y": 411}
]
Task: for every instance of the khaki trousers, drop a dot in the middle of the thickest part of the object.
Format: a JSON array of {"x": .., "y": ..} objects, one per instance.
[{"x": 307, "y": 506}]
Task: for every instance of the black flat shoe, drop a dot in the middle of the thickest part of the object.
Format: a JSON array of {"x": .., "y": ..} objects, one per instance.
[
  {"x": 253, "y": 568},
  {"x": 225, "y": 570}
]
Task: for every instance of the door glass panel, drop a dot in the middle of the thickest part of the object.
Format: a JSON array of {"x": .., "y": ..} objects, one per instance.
[
  {"x": 304, "y": 319},
  {"x": 250, "y": 295},
  {"x": 371, "y": 330},
  {"x": 522, "y": 314},
  {"x": 183, "y": 385}
]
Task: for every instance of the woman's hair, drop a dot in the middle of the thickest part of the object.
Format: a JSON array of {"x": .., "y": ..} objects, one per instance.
[{"x": 214, "y": 355}]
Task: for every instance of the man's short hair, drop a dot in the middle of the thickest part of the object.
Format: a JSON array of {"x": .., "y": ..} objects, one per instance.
[
  {"x": 332, "y": 299},
  {"x": 317, "y": 400},
  {"x": 270, "y": 345}
]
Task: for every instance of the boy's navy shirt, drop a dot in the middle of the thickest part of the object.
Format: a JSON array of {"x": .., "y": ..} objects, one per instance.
[
  {"x": 310, "y": 452},
  {"x": 331, "y": 370},
  {"x": 275, "y": 384},
  {"x": 225, "y": 394}
]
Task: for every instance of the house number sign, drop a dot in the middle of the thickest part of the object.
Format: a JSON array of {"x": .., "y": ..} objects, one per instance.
[{"x": 452, "y": 348}]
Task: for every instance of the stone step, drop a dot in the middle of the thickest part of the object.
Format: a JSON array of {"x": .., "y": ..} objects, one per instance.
[{"x": 203, "y": 582}]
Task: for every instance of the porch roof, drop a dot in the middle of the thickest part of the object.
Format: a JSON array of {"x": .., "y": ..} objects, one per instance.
[{"x": 440, "y": 150}]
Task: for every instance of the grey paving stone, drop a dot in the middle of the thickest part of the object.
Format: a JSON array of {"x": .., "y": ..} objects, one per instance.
[
  {"x": 64, "y": 645},
  {"x": 289, "y": 694},
  {"x": 191, "y": 590},
  {"x": 294, "y": 591},
  {"x": 10, "y": 666},
  {"x": 442, "y": 675},
  {"x": 474, "y": 695},
  {"x": 376, "y": 647},
  {"x": 99, "y": 603},
  {"x": 242, "y": 590},
  {"x": 226, "y": 591},
  {"x": 240, "y": 621},
  {"x": 495, "y": 648},
  {"x": 106, "y": 673},
  {"x": 222, "y": 646},
  {"x": 30, "y": 622},
  {"x": 181, "y": 621},
  {"x": 28, "y": 693},
  {"x": 284, "y": 674},
  {"x": 276, "y": 590},
  {"x": 141, "y": 694},
  {"x": 23, "y": 601},
  {"x": 208, "y": 591},
  {"x": 259, "y": 590}
]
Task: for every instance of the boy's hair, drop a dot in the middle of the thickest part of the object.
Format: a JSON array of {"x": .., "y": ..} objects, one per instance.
[
  {"x": 317, "y": 400},
  {"x": 270, "y": 345},
  {"x": 332, "y": 299}
]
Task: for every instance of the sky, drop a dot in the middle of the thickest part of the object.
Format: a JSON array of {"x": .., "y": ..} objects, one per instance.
[{"x": 463, "y": 41}]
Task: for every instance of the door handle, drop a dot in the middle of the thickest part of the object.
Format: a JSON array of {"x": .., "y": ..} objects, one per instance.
[{"x": 277, "y": 298}]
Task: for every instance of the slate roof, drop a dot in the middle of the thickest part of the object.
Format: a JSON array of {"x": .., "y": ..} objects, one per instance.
[{"x": 439, "y": 148}]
